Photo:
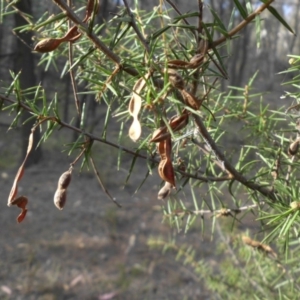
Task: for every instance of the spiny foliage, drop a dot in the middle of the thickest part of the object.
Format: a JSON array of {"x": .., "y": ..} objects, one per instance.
[{"x": 158, "y": 76}]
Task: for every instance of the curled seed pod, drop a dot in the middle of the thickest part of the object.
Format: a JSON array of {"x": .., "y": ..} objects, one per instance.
[
  {"x": 166, "y": 171},
  {"x": 165, "y": 191},
  {"x": 60, "y": 198},
  {"x": 175, "y": 79},
  {"x": 47, "y": 45},
  {"x": 293, "y": 148},
  {"x": 22, "y": 215},
  {"x": 20, "y": 202},
  {"x": 72, "y": 35},
  {"x": 64, "y": 180}
]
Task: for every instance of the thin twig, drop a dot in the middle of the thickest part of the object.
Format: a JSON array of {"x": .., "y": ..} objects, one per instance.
[
  {"x": 119, "y": 147},
  {"x": 135, "y": 28},
  {"x": 72, "y": 75},
  {"x": 101, "y": 183},
  {"x": 180, "y": 14},
  {"x": 178, "y": 11},
  {"x": 219, "y": 163},
  {"x": 240, "y": 26},
  {"x": 236, "y": 261},
  {"x": 227, "y": 211},
  {"x": 269, "y": 193},
  {"x": 200, "y": 18},
  {"x": 93, "y": 37}
]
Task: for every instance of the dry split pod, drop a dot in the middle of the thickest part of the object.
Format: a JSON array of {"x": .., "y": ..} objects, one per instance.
[{"x": 60, "y": 196}]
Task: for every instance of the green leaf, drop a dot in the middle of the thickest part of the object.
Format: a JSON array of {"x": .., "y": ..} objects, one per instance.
[
  {"x": 241, "y": 9},
  {"x": 275, "y": 13}
]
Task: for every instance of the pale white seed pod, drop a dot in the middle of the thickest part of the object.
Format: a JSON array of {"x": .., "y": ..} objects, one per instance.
[
  {"x": 165, "y": 191},
  {"x": 60, "y": 198},
  {"x": 64, "y": 180}
]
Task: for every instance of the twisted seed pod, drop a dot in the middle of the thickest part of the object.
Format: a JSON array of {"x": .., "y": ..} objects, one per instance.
[{"x": 60, "y": 198}]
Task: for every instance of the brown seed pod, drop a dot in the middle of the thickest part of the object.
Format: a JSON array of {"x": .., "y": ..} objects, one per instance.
[
  {"x": 179, "y": 122},
  {"x": 60, "y": 198},
  {"x": 196, "y": 60},
  {"x": 175, "y": 79},
  {"x": 178, "y": 64},
  {"x": 160, "y": 135},
  {"x": 47, "y": 45},
  {"x": 64, "y": 180},
  {"x": 72, "y": 35},
  {"x": 262, "y": 247},
  {"x": 190, "y": 100},
  {"x": 166, "y": 171},
  {"x": 293, "y": 148}
]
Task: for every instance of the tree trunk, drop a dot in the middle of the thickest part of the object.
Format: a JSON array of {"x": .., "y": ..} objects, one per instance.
[{"x": 24, "y": 62}]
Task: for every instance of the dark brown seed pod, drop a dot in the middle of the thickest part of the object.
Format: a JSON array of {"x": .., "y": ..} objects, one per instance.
[
  {"x": 60, "y": 198},
  {"x": 190, "y": 100},
  {"x": 64, "y": 180}
]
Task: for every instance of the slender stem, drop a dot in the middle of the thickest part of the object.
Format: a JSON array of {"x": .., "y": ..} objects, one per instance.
[
  {"x": 72, "y": 75},
  {"x": 135, "y": 28},
  {"x": 243, "y": 24},
  {"x": 114, "y": 145},
  {"x": 101, "y": 183},
  {"x": 93, "y": 37},
  {"x": 269, "y": 193},
  {"x": 227, "y": 211}
]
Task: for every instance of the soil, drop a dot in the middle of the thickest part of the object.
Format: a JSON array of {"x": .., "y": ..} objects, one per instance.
[{"x": 91, "y": 249}]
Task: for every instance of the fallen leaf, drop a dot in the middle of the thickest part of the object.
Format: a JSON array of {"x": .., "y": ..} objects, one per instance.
[
  {"x": 5, "y": 289},
  {"x": 108, "y": 296}
]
